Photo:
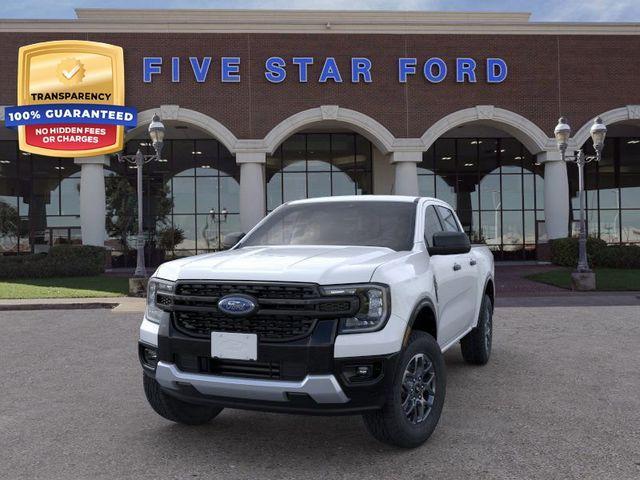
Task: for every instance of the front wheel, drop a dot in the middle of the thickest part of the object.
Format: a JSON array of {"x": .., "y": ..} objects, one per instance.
[
  {"x": 176, "y": 410},
  {"x": 416, "y": 398}
]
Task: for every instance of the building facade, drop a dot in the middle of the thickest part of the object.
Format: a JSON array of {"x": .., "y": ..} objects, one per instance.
[{"x": 263, "y": 107}]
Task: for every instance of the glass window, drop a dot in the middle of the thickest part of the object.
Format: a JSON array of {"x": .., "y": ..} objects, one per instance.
[
  {"x": 445, "y": 156},
  {"x": 362, "y": 223},
  {"x": 310, "y": 165},
  {"x": 183, "y": 157},
  {"x": 630, "y": 190},
  {"x": 318, "y": 152},
  {"x": 183, "y": 189},
  {"x": 294, "y": 153},
  {"x": 512, "y": 192},
  {"x": 8, "y": 159},
  {"x": 431, "y": 224},
  {"x": 449, "y": 223},
  {"x": 207, "y": 195},
  {"x": 630, "y": 221},
  {"x": 511, "y": 155},
  {"x": 426, "y": 185}
]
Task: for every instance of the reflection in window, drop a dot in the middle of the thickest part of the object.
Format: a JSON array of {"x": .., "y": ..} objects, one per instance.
[
  {"x": 39, "y": 200},
  {"x": 309, "y": 165},
  {"x": 495, "y": 187},
  {"x": 612, "y": 192},
  {"x": 199, "y": 181}
]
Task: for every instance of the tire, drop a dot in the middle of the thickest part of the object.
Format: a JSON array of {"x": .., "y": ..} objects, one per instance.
[
  {"x": 176, "y": 410},
  {"x": 391, "y": 425},
  {"x": 476, "y": 345}
]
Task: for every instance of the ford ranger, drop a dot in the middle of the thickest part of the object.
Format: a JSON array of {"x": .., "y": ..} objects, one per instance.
[{"x": 340, "y": 305}]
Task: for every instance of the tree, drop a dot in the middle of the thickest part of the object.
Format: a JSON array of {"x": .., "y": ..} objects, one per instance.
[
  {"x": 122, "y": 208},
  {"x": 9, "y": 221}
]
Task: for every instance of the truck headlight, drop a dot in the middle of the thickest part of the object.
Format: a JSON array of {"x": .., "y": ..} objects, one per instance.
[
  {"x": 159, "y": 292},
  {"x": 374, "y": 306}
]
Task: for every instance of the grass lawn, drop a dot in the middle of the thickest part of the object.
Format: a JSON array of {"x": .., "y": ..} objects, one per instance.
[
  {"x": 69, "y": 287},
  {"x": 607, "y": 279}
]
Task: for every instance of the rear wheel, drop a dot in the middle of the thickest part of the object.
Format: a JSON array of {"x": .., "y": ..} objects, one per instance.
[
  {"x": 415, "y": 401},
  {"x": 476, "y": 345},
  {"x": 176, "y": 410}
]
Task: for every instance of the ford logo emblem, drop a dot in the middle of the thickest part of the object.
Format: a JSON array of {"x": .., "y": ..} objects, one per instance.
[{"x": 237, "y": 305}]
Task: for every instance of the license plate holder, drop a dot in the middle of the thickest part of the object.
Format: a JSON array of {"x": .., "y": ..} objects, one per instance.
[{"x": 234, "y": 346}]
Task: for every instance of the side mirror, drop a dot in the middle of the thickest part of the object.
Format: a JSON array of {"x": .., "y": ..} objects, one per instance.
[
  {"x": 231, "y": 239},
  {"x": 449, "y": 243}
]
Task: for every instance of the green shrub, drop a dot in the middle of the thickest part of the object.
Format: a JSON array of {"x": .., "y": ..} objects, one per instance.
[
  {"x": 61, "y": 261},
  {"x": 618, "y": 256},
  {"x": 564, "y": 252}
]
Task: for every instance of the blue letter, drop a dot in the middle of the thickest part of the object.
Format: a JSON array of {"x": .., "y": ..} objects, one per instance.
[
  {"x": 406, "y": 66},
  {"x": 496, "y": 70},
  {"x": 428, "y": 70},
  {"x": 175, "y": 69},
  {"x": 360, "y": 66},
  {"x": 275, "y": 69},
  {"x": 465, "y": 66},
  {"x": 303, "y": 63},
  {"x": 230, "y": 69},
  {"x": 330, "y": 71},
  {"x": 200, "y": 71},
  {"x": 150, "y": 66}
]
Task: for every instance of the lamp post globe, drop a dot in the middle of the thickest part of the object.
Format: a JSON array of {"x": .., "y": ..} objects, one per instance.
[
  {"x": 562, "y": 133},
  {"x": 156, "y": 133},
  {"x": 598, "y": 133}
]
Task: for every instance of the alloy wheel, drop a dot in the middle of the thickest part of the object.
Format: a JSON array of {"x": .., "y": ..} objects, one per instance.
[{"x": 418, "y": 388}]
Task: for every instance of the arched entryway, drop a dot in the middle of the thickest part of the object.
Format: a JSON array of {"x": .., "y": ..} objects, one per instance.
[
  {"x": 326, "y": 151},
  {"x": 483, "y": 162}
]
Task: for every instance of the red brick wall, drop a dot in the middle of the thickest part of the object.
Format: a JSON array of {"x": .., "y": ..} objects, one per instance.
[{"x": 578, "y": 76}]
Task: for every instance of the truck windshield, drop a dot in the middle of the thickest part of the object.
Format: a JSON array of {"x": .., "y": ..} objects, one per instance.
[{"x": 363, "y": 223}]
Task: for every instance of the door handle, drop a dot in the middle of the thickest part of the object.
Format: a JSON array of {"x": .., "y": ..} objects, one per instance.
[
  {"x": 456, "y": 267},
  {"x": 472, "y": 262}
]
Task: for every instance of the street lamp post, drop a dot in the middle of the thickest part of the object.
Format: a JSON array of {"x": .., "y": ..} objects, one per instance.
[
  {"x": 598, "y": 132},
  {"x": 156, "y": 133}
]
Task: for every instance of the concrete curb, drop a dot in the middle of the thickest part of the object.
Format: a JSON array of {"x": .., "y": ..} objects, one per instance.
[
  {"x": 115, "y": 304},
  {"x": 11, "y": 307}
]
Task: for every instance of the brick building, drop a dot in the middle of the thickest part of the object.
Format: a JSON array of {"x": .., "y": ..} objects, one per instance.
[{"x": 262, "y": 107}]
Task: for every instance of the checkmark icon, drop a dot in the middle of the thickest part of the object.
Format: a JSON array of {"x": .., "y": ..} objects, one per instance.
[{"x": 71, "y": 73}]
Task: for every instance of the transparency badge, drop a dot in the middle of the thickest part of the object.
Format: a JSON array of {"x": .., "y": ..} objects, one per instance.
[{"x": 70, "y": 99}]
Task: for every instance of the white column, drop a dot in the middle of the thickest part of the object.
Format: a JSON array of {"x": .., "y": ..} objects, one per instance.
[
  {"x": 556, "y": 194},
  {"x": 252, "y": 188},
  {"x": 406, "y": 172},
  {"x": 93, "y": 208}
]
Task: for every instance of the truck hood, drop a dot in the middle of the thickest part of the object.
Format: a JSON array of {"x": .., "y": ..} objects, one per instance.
[{"x": 324, "y": 265}]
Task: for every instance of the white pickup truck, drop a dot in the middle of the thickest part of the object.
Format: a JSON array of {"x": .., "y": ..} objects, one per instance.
[{"x": 340, "y": 305}]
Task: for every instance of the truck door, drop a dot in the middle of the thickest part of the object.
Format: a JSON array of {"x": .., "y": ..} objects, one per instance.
[{"x": 454, "y": 276}]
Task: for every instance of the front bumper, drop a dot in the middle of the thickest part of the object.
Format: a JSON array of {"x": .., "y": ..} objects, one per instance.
[
  {"x": 320, "y": 388},
  {"x": 309, "y": 379}
]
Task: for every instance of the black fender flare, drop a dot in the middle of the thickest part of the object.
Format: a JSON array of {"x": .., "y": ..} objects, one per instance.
[
  {"x": 484, "y": 289},
  {"x": 420, "y": 304}
]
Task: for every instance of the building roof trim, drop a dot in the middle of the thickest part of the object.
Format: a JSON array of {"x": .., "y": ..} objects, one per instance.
[{"x": 311, "y": 21}]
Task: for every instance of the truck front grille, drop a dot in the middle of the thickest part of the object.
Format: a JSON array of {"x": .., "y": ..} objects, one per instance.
[
  {"x": 286, "y": 311},
  {"x": 268, "y": 327}
]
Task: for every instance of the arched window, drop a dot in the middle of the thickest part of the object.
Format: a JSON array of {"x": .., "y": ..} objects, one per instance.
[
  {"x": 495, "y": 187},
  {"x": 310, "y": 165}
]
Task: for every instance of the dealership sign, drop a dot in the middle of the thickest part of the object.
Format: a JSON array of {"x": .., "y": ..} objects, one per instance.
[
  {"x": 323, "y": 70},
  {"x": 70, "y": 99}
]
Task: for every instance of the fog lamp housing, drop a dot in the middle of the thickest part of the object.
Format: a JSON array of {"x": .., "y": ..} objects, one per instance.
[{"x": 148, "y": 356}]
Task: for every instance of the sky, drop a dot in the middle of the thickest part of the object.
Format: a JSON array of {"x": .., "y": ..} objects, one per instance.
[{"x": 542, "y": 10}]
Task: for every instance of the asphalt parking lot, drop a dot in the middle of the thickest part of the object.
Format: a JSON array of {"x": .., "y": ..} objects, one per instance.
[{"x": 559, "y": 399}]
